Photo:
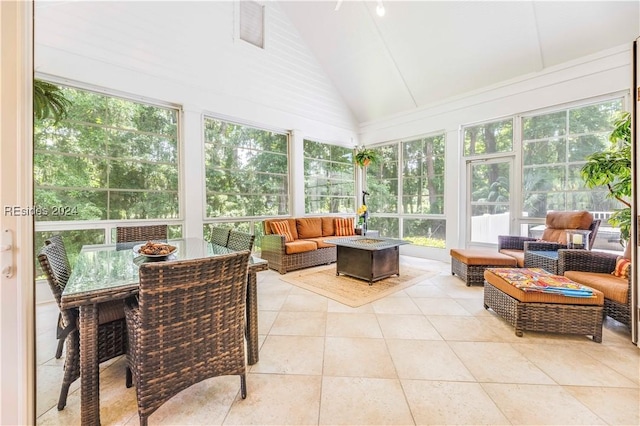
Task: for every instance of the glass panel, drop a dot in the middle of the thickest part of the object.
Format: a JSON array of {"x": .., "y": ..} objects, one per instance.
[
  {"x": 107, "y": 143},
  {"x": 488, "y": 138},
  {"x": 425, "y": 232},
  {"x": 329, "y": 177},
  {"x": 73, "y": 242},
  {"x": 544, "y": 126},
  {"x": 387, "y": 226},
  {"x": 490, "y": 195},
  {"x": 246, "y": 170}
]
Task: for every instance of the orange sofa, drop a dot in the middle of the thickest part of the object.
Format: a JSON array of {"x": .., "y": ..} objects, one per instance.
[{"x": 307, "y": 247}]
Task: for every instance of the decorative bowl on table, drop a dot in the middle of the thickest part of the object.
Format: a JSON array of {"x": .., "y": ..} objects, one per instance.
[{"x": 154, "y": 249}]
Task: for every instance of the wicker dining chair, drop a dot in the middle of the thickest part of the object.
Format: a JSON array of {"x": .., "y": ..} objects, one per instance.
[
  {"x": 61, "y": 330},
  {"x": 112, "y": 328},
  {"x": 220, "y": 235},
  {"x": 186, "y": 325},
  {"x": 130, "y": 234},
  {"x": 240, "y": 240}
]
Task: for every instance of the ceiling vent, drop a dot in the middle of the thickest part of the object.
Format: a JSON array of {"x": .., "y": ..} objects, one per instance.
[{"x": 252, "y": 23}]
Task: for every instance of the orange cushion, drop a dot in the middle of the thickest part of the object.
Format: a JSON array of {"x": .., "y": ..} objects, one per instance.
[
  {"x": 518, "y": 255},
  {"x": 344, "y": 227},
  {"x": 538, "y": 296},
  {"x": 482, "y": 257},
  {"x": 558, "y": 222},
  {"x": 292, "y": 226},
  {"x": 299, "y": 246},
  {"x": 622, "y": 267},
  {"x": 282, "y": 228},
  {"x": 309, "y": 227},
  {"x": 320, "y": 242},
  {"x": 614, "y": 288},
  {"x": 328, "y": 228}
]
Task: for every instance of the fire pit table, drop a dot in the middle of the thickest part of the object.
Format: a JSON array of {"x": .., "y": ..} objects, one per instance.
[{"x": 367, "y": 258}]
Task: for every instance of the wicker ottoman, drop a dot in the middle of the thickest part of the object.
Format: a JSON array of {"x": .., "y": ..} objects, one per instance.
[
  {"x": 537, "y": 311},
  {"x": 470, "y": 264}
]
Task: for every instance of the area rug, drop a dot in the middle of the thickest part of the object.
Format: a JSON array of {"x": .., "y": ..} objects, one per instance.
[{"x": 352, "y": 291}]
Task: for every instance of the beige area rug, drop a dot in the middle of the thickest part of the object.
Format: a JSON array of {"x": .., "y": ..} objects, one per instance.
[{"x": 352, "y": 291}]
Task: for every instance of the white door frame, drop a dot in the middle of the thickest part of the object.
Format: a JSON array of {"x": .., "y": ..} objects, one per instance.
[
  {"x": 17, "y": 363},
  {"x": 635, "y": 191},
  {"x": 494, "y": 159}
]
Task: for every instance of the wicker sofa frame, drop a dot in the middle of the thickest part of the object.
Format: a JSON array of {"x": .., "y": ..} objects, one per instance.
[
  {"x": 600, "y": 262},
  {"x": 274, "y": 251}
]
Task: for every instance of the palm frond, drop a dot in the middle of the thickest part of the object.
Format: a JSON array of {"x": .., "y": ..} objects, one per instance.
[{"x": 49, "y": 101}]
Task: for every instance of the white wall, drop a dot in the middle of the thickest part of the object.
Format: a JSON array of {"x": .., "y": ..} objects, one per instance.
[
  {"x": 186, "y": 53},
  {"x": 606, "y": 73}
]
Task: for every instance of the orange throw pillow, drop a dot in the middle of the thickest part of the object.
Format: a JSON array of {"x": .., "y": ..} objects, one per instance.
[
  {"x": 622, "y": 268},
  {"x": 282, "y": 228},
  {"x": 344, "y": 227}
]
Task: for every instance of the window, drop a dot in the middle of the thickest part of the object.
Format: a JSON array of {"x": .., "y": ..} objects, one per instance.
[
  {"x": 381, "y": 181},
  {"x": 423, "y": 191},
  {"x": 329, "y": 185},
  {"x": 554, "y": 149},
  {"x": 246, "y": 171},
  {"x": 488, "y": 138},
  {"x": 110, "y": 159}
]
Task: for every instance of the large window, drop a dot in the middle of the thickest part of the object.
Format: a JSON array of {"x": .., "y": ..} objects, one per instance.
[
  {"x": 423, "y": 191},
  {"x": 110, "y": 159},
  {"x": 329, "y": 185},
  {"x": 247, "y": 171},
  {"x": 554, "y": 149},
  {"x": 407, "y": 191}
]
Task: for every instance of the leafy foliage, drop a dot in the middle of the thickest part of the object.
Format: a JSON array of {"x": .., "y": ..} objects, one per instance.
[
  {"x": 49, "y": 101},
  {"x": 329, "y": 184},
  {"x": 109, "y": 158},
  {"x": 611, "y": 168}
]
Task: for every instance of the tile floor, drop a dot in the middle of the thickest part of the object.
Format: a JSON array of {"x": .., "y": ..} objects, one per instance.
[{"x": 430, "y": 354}]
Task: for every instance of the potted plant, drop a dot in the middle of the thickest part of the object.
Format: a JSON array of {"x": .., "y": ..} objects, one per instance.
[
  {"x": 365, "y": 156},
  {"x": 612, "y": 168}
]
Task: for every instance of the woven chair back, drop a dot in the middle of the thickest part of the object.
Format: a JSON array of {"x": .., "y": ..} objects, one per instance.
[
  {"x": 189, "y": 326},
  {"x": 220, "y": 236},
  {"x": 55, "y": 264},
  {"x": 130, "y": 234},
  {"x": 240, "y": 240}
]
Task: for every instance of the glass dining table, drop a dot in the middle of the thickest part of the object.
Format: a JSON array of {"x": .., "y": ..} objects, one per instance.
[{"x": 108, "y": 272}]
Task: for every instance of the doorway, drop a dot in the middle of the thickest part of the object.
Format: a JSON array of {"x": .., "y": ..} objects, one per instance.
[{"x": 489, "y": 184}]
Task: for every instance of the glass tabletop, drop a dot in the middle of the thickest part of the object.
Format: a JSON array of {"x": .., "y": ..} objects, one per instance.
[
  {"x": 109, "y": 266},
  {"x": 545, "y": 253}
]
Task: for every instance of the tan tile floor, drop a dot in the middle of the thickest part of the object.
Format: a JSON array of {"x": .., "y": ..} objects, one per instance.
[{"x": 430, "y": 354}]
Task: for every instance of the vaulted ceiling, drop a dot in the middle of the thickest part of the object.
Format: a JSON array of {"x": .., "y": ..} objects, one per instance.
[{"x": 423, "y": 52}]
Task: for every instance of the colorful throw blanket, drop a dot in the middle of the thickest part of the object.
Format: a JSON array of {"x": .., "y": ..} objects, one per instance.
[{"x": 537, "y": 279}]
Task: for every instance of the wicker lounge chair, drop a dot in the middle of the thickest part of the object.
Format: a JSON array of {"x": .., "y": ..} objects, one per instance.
[
  {"x": 111, "y": 328},
  {"x": 594, "y": 269},
  {"x": 554, "y": 235},
  {"x": 186, "y": 325},
  {"x": 130, "y": 234}
]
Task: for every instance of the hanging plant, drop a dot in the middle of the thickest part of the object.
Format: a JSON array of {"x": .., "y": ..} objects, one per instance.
[
  {"x": 49, "y": 101},
  {"x": 365, "y": 157}
]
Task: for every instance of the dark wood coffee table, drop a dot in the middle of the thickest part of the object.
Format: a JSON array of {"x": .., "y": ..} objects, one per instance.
[{"x": 367, "y": 258}]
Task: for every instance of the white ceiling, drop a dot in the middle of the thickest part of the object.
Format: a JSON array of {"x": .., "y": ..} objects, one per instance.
[{"x": 423, "y": 52}]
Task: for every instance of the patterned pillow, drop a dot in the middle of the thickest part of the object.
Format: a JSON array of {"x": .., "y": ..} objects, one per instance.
[
  {"x": 344, "y": 227},
  {"x": 282, "y": 228},
  {"x": 622, "y": 268}
]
